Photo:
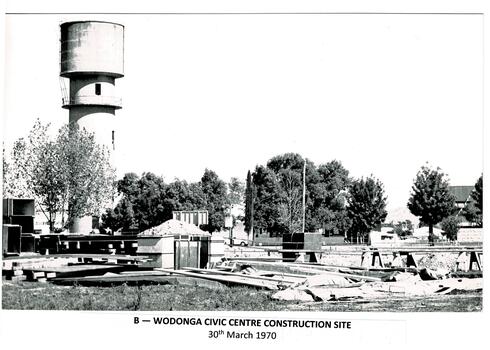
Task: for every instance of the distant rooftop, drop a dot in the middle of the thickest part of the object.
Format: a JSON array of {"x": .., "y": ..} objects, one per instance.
[{"x": 461, "y": 193}]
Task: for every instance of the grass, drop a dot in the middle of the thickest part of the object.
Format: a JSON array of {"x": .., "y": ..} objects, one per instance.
[
  {"x": 464, "y": 302},
  {"x": 127, "y": 298},
  {"x": 36, "y": 296}
]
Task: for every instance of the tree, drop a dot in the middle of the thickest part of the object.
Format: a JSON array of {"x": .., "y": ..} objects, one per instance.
[
  {"x": 86, "y": 170},
  {"x": 290, "y": 200},
  {"x": 290, "y": 166},
  {"x": 277, "y": 191},
  {"x": 477, "y": 196},
  {"x": 266, "y": 200},
  {"x": 450, "y": 226},
  {"x": 329, "y": 198},
  {"x": 17, "y": 172},
  {"x": 148, "y": 206},
  {"x": 249, "y": 197},
  {"x": 129, "y": 187},
  {"x": 366, "y": 206},
  {"x": 288, "y": 170},
  {"x": 215, "y": 200},
  {"x": 47, "y": 182},
  {"x": 292, "y": 161},
  {"x": 430, "y": 198},
  {"x": 148, "y": 201},
  {"x": 121, "y": 217},
  {"x": 236, "y": 191},
  {"x": 5, "y": 171},
  {"x": 33, "y": 172},
  {"x": 141, "y": 203},
  {"x": 179, "y": 195}
]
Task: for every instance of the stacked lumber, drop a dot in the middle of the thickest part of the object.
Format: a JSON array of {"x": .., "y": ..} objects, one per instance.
[
  {"x": 43, "y": 268},
  {"x": 111, "y": 279},
  {"x": 137, "y": 277},
  {"x": 258, "y": 279},
  {"x": 308, "y": 269}
]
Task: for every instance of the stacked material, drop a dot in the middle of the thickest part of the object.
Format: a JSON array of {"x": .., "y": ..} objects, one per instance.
[
  {"x": 175, "y": 227},
  {"x": 43, "y": 268}
]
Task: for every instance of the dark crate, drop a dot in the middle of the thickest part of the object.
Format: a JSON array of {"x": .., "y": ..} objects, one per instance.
[
  {"x": 14, "y": 206},
  {"x": 26, "y": 222},
  {"x": 28, "y": 243},
  {"x": 11, "y": 241},
  {"x": 293, "y": 240}
]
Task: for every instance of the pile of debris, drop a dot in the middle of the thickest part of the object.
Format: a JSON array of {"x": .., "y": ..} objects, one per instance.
[
  {"x": 328, "y": 287},
  {"x": 175, "y": 227},
  {"x": 438, "y": 261}
]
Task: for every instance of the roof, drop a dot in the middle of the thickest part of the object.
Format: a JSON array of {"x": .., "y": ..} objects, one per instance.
[
  {"x": 396, "y": 215},
  {"x": 64, "y": 24},
  {"x": 461, "y": 193}
]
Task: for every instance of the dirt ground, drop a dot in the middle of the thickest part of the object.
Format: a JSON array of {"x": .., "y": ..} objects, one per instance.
[{"x": 46, "y": 296}]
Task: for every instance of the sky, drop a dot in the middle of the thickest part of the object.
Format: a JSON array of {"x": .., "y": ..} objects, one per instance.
[{"x": 383, "y": 94}]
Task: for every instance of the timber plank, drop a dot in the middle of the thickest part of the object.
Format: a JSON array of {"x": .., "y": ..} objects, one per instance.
[
  {"x": 113, "y": 279},
  {"x": 226, "y": 279},
  {"x": 318, "y": 269},
  {"x": 139, "y": 279},
  {"x": 81, "y": 270},
  {"x": 251, "y": 276}
]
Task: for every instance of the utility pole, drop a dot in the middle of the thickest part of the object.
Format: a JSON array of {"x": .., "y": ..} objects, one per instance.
[
  {"x": 252, "y": 210},
  {"x": 304, "y": 195}
]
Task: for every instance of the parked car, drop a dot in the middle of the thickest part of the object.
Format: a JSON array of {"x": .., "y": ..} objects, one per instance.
[{"x": 237, "y": 241}]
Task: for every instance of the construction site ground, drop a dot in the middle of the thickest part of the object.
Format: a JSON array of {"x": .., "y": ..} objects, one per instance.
[{"x": 186, "y": 291}]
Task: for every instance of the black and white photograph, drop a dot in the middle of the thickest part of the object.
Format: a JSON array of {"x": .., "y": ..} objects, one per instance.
[{"x": 245, "y": 173}]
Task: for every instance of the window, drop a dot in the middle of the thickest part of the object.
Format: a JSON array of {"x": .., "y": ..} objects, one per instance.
[{"x": 97, "y": 89}]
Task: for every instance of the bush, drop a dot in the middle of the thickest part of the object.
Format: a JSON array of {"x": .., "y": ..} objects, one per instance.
[{"x": 450, "y": 226}]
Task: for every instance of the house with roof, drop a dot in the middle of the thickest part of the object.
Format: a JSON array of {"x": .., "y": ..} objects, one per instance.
[
  {"x": 462, "y": 195},
  {"x": 463, "y": 199},
  {"x": 467, "y": 233}
]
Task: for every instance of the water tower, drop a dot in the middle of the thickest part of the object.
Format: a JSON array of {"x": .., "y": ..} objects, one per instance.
[{"x": 92, "y": 58}]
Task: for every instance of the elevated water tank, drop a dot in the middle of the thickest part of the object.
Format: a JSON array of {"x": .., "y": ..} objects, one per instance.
[
  {"x": 92, "y": 47},
  {"x": 92, "y": 58}
]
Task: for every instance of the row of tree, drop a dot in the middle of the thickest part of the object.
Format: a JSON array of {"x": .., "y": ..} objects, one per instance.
[
  {"x": 148, "y": 201},
  {"x": 333, "y": 201},
  {"x": 338, "y": 204},
  {"x": 70, "y": 175}
]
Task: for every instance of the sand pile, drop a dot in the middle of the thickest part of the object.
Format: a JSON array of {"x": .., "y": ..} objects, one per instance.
[{"x": 175, "y": 227}]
